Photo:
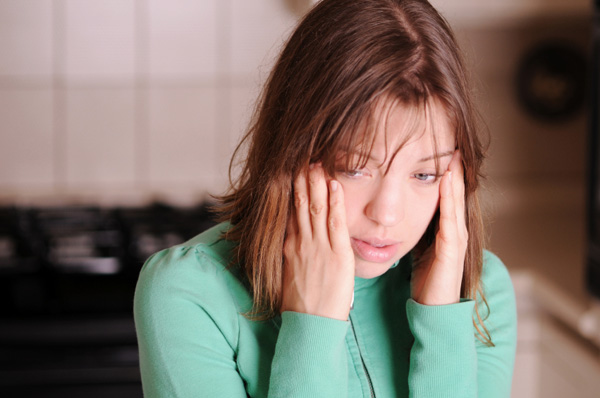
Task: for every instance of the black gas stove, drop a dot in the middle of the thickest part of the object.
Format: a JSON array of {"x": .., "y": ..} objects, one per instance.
[{"x": 67, "y": 278}]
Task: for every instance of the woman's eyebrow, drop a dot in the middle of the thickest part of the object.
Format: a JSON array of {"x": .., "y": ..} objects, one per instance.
[
  {"x": 369, "y": 156},
  {"x": 439, "y": 155}
]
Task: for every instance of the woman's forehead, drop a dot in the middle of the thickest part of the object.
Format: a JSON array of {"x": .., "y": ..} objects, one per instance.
[
  {"x": 395, "y": 124},
  {"x": 424, "y": 129}
]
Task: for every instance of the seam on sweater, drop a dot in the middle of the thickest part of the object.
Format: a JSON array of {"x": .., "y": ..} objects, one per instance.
[
  {"x": 233, "y": 345},
  {"x": 365, "y": 356},
  {"x": 354, "y": 367},
  {"x": 156, "y": 342},
  {"x": 202, "y": 252}
]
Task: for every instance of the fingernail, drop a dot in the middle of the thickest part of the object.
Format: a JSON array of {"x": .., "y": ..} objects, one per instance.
[
  {"x": 334, "y": 185},
  {"x": 311, "y": 166}
]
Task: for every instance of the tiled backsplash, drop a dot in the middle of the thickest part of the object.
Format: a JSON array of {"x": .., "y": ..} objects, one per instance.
[
  {"x": 133, "y": 98},
  {"x": 125, "y": 101}
]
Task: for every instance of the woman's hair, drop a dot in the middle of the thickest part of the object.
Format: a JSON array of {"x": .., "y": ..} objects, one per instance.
[{"x": 342, "y": 62}]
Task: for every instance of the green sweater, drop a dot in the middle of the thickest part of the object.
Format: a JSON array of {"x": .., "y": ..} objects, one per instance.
[{"x": 194, "y": 340}]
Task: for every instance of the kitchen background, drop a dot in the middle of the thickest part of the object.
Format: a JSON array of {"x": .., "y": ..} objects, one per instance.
[{"x": 119, "y": 104}]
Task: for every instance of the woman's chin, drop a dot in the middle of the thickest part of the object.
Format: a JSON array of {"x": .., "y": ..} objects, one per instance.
[{"x": 367, "y": 270}]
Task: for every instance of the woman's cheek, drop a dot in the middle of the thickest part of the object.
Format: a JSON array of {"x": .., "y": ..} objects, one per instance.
[
  {"x": 353, "y": 202},
  {"x": 427, "y": 202}
]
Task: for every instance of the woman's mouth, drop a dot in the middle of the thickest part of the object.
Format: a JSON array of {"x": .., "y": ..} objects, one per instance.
[{"x": 376, "y": 251}]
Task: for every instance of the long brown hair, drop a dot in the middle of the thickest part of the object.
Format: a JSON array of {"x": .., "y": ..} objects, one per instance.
[{"x": 341, "y": 61}]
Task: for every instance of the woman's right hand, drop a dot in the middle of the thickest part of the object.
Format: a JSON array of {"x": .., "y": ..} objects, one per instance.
[{"x": 318, "y": 275}]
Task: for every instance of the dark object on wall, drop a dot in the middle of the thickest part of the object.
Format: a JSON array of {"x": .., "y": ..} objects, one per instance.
[
  {"x": 67, "y": 279},
  {"x": 551, "y": 80},
  {"x": 593, "y": 208}
]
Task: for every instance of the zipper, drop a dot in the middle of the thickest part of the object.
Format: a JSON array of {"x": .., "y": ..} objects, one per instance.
[{"x": 362, "y": 360}]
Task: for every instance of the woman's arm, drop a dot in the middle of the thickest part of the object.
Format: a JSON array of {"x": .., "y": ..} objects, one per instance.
[
  {"x": 447, "y": 359},
  {"x": 495, "y": 364},
  {"x": 310, "y": 357},
  {"x": 317, "y": 292},
  {"x": 183, "y": 352},
  {"x": 191, "y": 331},
  {"x": 318, "y": 274},
  {"x": 188, "y": 326},
  {"x": 438, "y": 276}
]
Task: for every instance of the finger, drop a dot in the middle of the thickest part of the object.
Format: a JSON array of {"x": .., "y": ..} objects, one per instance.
[
  {"x": 338, "y": 230},
  {"x": 458, "y": 189},
  {"x": 301, "y": 211},
  {"x": 292, "y": 224},
  {"x": 448, "y": 225},
  {"x": 317, "y": 196}
]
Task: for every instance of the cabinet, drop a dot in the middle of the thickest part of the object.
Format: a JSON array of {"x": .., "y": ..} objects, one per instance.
[{"x": 552, "y": 360}]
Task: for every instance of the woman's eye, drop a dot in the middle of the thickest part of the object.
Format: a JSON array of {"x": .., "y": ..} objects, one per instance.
[
  {"x": 354, "y": 173},
  {"x": 425, "y": 177}
]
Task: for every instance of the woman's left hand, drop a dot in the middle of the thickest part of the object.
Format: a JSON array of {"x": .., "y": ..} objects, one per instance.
[{"x": 437, "y": 278}]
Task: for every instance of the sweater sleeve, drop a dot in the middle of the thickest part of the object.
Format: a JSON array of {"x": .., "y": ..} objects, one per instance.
[
  {"x": 310, "y": 357},
  {"x": 183, "y": 352},
  {"x": 448, "y": 359},
  {"x": 188, "y": 328}
]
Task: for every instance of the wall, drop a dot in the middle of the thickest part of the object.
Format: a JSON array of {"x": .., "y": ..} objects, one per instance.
[
  {"x": 125, "y": 101},
  {"x": 537, "y": 169}
]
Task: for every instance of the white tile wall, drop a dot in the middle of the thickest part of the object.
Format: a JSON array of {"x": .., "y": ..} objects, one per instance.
[
  {"x": 99, "y": 39},
  {"x": 182, "y": 137},
  {"x": 100, "y": 137},
  {"x": 140, "y": 96},
  {"x": 26, "y": 38},
  {"x": 159, "y": 62},
  {"x": 183, "y": 40},
  {"x": 240, "y": 103},
  {"x": 27, "y": 140},
  {"x": 258, "y": 29}
]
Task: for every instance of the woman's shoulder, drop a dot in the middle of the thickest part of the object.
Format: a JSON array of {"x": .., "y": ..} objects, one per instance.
[
  {"x": 499, "y": 308},
  {"x": 188, "y": 290},
  {"x": 206, "y": 253},
  {"x": 196, "y": 270},
  {"x": 494, "y": 272}
]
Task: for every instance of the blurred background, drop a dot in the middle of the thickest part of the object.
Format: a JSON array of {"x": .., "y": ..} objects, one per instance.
[{"x": 118, "y": 119}]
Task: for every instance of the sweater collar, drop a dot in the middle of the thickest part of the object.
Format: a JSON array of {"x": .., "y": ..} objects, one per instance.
[{"x": 405, "y": 264}]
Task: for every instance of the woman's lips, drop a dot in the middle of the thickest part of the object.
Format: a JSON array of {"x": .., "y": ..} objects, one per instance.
[{"x": 375, "y": 251}]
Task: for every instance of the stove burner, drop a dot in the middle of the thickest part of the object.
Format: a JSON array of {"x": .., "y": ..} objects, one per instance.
[{"x": 67, "y": 279}]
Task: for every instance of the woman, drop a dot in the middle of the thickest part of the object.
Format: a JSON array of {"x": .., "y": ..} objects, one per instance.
[{"x": 351, "y": 261}]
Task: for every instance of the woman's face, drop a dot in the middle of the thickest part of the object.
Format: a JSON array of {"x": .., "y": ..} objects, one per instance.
[{"x": 391, "y": 201}]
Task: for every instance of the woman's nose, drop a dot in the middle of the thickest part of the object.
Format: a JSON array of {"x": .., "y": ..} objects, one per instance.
[{"x": 386, "y": 206}]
